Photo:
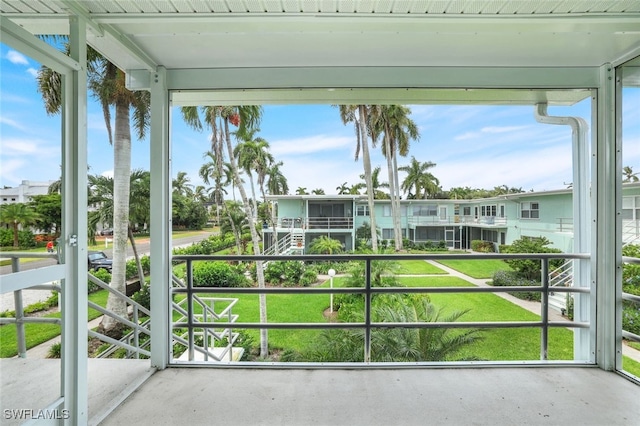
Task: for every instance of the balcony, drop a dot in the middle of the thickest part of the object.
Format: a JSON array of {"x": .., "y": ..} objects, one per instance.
[
  {"x": 570, "y": 392},
  {"x": 320, "y": 223},
  {"x": 484, "y": 221}
]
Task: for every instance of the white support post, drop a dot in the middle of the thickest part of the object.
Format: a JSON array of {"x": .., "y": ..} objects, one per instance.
[
  {"x": 160, "y": 221},
  {"x": 74, "y": 232},
  {"x": 607, "y": 253}
]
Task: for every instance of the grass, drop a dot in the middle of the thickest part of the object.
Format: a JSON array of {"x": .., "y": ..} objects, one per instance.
[
  {"x": 480, "y": 268},
  {"x": 418, "y": 267},
  {"x": 36, "y": 334}
]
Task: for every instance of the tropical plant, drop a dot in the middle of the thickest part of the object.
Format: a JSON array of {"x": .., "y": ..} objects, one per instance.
[
  {"x": 423, "y": 183},
  {"x": 359, "y": 116},
  {"x": 628, "y": 174},
  {"x": 49, "y": 210},
  {"x": 301, "y": 191},
  {"x": 325, "y": 245},
  {"x": 16, "y": 215},
  {"x": 318, "y": 191},
  {"x": 107, "y": 84},
  {"x": 219, "y": 119}
]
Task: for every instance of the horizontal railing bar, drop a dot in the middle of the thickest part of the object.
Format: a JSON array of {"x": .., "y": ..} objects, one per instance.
[
  {"x": 364, "y": 257},
  {"x": 631, "y": 297},
  {"x": 362, "y": 290},
  {"x": 125, "y": 321},
  {"x": 322, "y": 325},
  {"x": 32, "y": 320},
  {"x": 631, "y": 336},
  {"x": 112, "y": 341},
  {"x": 627, "y": 259}
]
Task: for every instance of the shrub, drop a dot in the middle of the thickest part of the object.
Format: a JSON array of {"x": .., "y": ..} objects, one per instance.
[
  {"x": 510, "y": 278},
  {"x": 101, "y": 274},
  {"x": 308, "y": 277},
  {"x": 55, "y": 350},
  {"x": 143, "y": 296},
  {"x": 482, "y": 246},
  {"x": 288, "y": 273},
  {"x": 530, "y": 268},
  {"x": 217, "y": 274},
  {"x": 631, "y": 318},
  {"x": 26, "y": 239}
]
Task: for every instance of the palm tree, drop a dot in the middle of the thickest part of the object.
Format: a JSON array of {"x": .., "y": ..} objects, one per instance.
[
  {"x": 628, "y": 175},
  {"x": 107, "y": 83},
  {"x": 301, "y": 191},
  {"x": 252, "y": 155},
  {"x": 16, "y": 215},
  {"x": 317, "y": 191},
  {"x": 359, "y": 116},
  {"x": 276, "y": 185},
  {"x": 181, "y": 185},
  {"x": 419, "y": 178},
  {"x": 398, "y": 129},
  {"x": 378, "y": 194},
  {"x": 342, "y": 189},
  {"x": 325, "y": 245},
  {"x": 246, "y": 118}
]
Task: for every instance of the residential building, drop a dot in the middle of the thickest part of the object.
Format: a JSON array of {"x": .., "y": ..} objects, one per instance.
[
  {"x": 501, "y": 220},
  {"x": 24, "y": 192}
]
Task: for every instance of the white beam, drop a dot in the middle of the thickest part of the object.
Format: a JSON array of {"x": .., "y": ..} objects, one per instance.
[
  {"x": 74, "y": 231},
  {"x": 160, "y": 221},
  {"x": 22, "y": 40},
  {"x": 24, "y": 279}
]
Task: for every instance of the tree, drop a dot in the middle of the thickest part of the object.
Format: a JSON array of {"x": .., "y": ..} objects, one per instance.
[
  {"x": 16, "y": 215},
  {"x": 49, "y": 210},
  {"x": 301, "y": 191},
  {"x": 318, "y": 191},
  {"x": 378, "y": 194},
  {"x": 359, "y": 116},
  {"x": 419, "y": 179},
  {"x": 252, "y": 155},
  {"x": 325, "y": 245},
  {"x": 181, "y": 185},
  {"x": 107, "y": 84},
  {"x": 628, "y": 175},
  {"x": 247, "y": 117},
  {"x": 342, "y": 189}
]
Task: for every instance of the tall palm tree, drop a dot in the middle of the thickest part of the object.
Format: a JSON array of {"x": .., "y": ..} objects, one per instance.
[
  {"x": 182, "y": 186},
  {"x": 398, "y": 129},
  {"x": 378, "y": 194},
  {"x": 16, "y": 215},
  {"x": 252, "y": 155},
  {"x": 359, "y": 116},
  {"x": 276, "y": 185},
  {"x": 107, "y": 84},
  {"x": 247, "y": 117},
  {"x": 419, "y": 178}
]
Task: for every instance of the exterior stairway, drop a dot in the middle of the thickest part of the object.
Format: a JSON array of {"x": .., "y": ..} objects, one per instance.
[
  {"x": 560, "y": 277},
  {"x": 292, "y": 243}
]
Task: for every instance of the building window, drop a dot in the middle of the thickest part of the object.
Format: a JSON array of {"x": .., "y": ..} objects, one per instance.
[
  {"x": 386, "y": 211},
  {"x": 489, "y": 210},
  {"x": 362, "y": 210},
  {"x": 387, "y": 233},
  {"x": 426, "y": 210},
  {"x": 530, "y": 210},
  {"x": 466, "y": 211}
]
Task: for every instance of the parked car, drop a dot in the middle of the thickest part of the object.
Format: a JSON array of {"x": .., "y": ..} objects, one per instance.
[
  {"x": 99, "y": 260},
  {"x": 108, "y": 231}
]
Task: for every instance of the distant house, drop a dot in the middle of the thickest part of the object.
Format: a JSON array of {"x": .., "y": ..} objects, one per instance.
[
  {"x": 501, "y": 220},
  {"x": 24, "y": 192}
]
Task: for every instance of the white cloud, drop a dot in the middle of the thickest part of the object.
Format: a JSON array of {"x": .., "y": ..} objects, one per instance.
[
  {"x": 107, "y": 173},
  {"x": 17, "y": 58},
  {"x": 18, "y": 147},
  {"x": 32, "y": 72},
  {"x": 9, "y": 170},
  {"x": 12, "y": 123},
  {"x": 308, "y": 145}
]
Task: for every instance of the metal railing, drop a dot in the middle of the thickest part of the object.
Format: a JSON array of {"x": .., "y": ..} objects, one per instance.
[
  {"x": 457, "y": 220},
  {"x": 565, "y": 224},
  {"x": 216, "y": 344},
  {"x": 338, "y": 222},
  {"x": 369, "y": 291}
]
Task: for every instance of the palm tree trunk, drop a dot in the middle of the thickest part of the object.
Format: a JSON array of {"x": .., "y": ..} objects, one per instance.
[
  {"x": 137, "y": 257},
  {"x": 396, "y": 218},
  {"x": 366, "y": 162},
  {"x": 392, "y": 189},
  {"x": 255, "y": 238},
  {"x": 121, "y": 187}
]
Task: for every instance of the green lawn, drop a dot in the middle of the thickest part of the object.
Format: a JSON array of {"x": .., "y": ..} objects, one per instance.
[
  {"x": 480, "y": 268},
  {"x": 36, "y": 334},
  {"x": 418, "y": 267}
]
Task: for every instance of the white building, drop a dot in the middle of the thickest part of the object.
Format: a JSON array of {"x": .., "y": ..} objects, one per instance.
[{"x": 24, "y": 192}]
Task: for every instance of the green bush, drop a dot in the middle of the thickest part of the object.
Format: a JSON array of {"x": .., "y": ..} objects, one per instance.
[
  {"x": 101, "y": 274},
  {"x": 631, "y": 318},
  {"x": 55, "y": 351},
  {"x": 510, "y": 278},
  {"x": 308, "y": 277},
  {"x": 482, "y": 246},
  {"x": 209, "y": 245},
  {"x": 631, "y": 272},
  {"x": 26, "y": 239},
  {"x": 217, "y": 274},
  {"x": 287, "y": 273},
  {"x": 143, "y": 296},
  {"x": 530, "y": 269}
]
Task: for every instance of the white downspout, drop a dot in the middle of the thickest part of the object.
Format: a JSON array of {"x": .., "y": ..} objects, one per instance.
[{"x": 581, "y": 221}]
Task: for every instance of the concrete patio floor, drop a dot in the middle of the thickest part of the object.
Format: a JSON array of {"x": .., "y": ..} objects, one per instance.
[{"x": 445, "y": 396}]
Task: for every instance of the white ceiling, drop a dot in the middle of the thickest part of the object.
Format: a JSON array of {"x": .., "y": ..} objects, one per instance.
[{"x": 339, "y": 34}]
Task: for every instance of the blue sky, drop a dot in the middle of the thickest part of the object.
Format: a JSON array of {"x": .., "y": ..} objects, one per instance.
[{"x": 475, "y": 146}]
